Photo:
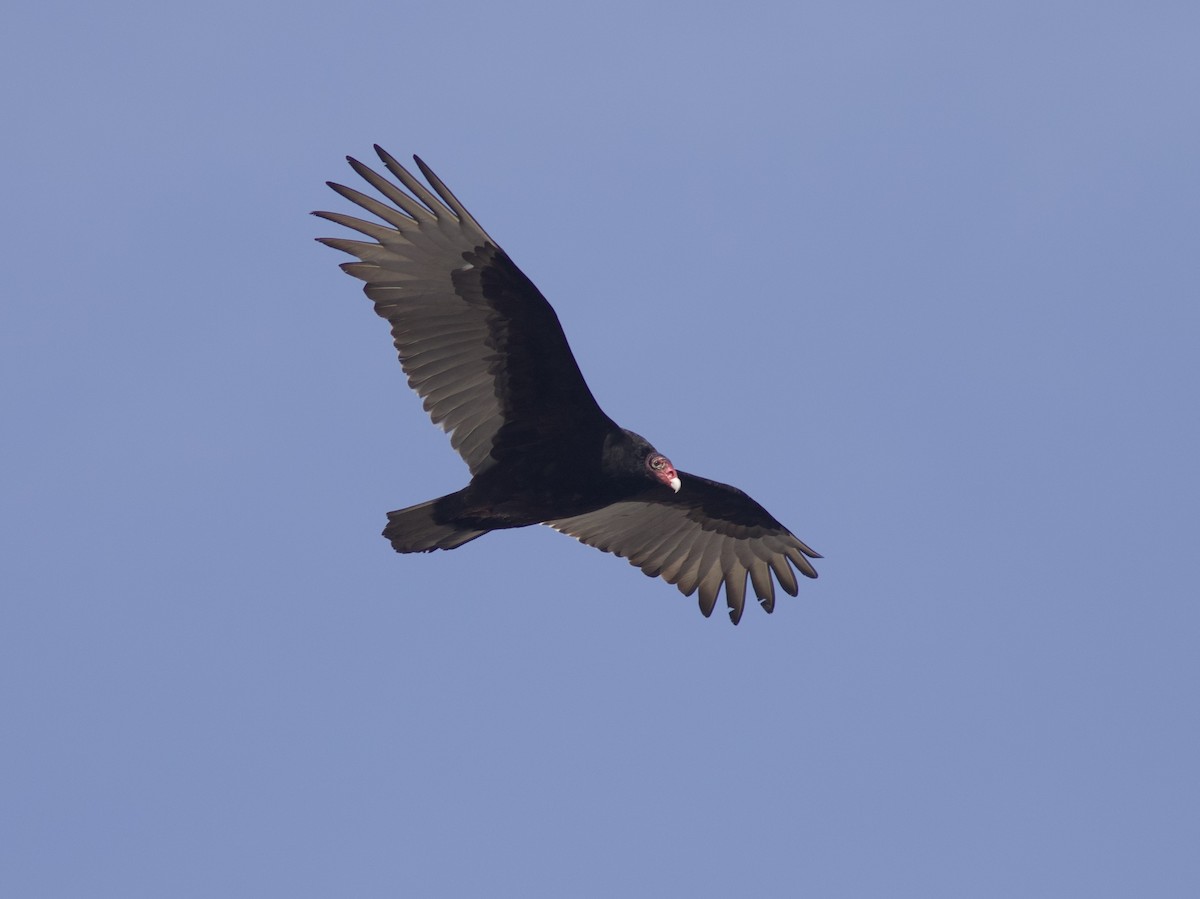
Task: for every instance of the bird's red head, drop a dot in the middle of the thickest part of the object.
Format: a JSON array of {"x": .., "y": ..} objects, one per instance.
[{"x": 662, "y": 470}]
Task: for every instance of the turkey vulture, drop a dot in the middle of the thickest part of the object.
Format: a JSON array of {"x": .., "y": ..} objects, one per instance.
[{"x": 486, "y": 352}]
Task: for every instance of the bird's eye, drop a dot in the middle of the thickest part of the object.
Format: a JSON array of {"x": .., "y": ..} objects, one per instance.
[{"x": 659, "y": 463}]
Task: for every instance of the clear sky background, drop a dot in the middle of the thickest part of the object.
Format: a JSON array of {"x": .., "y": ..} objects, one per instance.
[{"x": 923, "y": 278}]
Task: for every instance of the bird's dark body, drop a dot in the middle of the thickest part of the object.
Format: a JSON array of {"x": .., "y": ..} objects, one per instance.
[
  {"x": 531, "y": 487},
  {"x": 486, "y": 351}
]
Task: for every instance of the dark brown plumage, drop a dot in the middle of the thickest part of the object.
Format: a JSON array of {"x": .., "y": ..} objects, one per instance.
[{"x": 486, "y": 352}]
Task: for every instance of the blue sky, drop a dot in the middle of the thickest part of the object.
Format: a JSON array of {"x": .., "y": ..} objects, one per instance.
[{"x": 922, "y": 278}]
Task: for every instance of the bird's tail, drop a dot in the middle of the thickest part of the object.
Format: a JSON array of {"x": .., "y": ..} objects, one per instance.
[{"x": 429, "y": 526}]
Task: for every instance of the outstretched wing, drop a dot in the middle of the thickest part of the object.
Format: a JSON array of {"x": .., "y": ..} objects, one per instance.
[
  {"x": 476, "y": 338},
  {"x": 706, "y": 535}
]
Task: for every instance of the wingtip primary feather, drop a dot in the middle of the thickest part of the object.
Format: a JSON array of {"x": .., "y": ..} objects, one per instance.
[{"x": 384, "y": 156}]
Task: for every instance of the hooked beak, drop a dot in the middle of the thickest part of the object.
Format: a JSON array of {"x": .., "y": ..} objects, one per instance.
[{"x": 675, "y": 483}]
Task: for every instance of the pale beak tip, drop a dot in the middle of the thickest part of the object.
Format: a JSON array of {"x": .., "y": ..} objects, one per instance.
[{"x": 676, "y": 484}]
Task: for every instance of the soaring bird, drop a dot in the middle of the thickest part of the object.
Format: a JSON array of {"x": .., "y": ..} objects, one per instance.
[{"x": 485, "y": 351}]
